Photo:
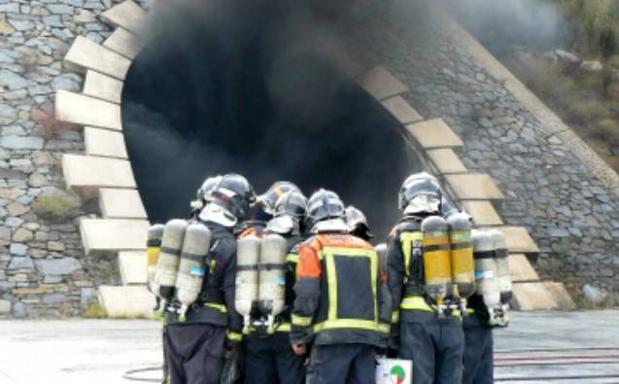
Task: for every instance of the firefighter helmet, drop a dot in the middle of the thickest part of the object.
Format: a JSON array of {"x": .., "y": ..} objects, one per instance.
[
  {"x": 420, "y": 193},
  {"x": 233, "y": 193},
  {"x": 291, "y": 203},
  {"x": 358, "y": 223},
  {"x": 207, "y": 187},
  {"x": 277, "y": 190},
  {"x": 324, "y": 205}
]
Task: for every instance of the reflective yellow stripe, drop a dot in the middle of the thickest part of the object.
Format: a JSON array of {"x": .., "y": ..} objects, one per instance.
[
  {"x": 384, "y": 328},
  {"x": 408, "y": 240},
  {"x": 332, "y": 287},
  {"x": 292, "y": 258},
  {"x": 235, "y": 336},
  {"x": 368, "y": 325},
  {"x": 284, "y": 327},
  {"x": 219, "y": 307},
  {"x": 470, "y": 311},
  {"x": 301, "y": 321},
  {"x": 416, "y": 302},
  {"x": 395, "y": 317}
]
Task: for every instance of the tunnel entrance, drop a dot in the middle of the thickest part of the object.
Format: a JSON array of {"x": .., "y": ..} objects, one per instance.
[{"x": 260, "y": 90}]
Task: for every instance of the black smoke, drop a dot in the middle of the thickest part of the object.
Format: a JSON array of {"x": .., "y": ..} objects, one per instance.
[{"x": 261, "y": 88}]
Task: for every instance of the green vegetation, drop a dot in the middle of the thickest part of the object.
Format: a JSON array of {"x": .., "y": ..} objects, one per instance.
[
  {"x": 94, "y": 310},
  {"x": 596, "y": 30},
  {"x": 56, "y": 208}
]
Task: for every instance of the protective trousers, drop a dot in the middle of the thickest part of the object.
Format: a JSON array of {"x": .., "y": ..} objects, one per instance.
[
  {"x": 342, "y": 364},
  {"x": 270, "y": 360},
  {"x": 435, "y": 345},
  {"x": 166, "y": 370},
  {"x": 478, "y": 353},
  {"x": 195, "y": 353}
]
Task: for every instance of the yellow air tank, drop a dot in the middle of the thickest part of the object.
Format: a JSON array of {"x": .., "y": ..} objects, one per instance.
[
  {"x": 192, "y": 266},
  {"x": 169, "y": 258},
  {"x": 272, "y": 291},
  {"x": 248, "y": 258},
  {"x": 436, "y": 260},
  {"x": 461, "y": 253},
  {"x": 153, "y": 247},
  {"x": 486, "y": 270}
]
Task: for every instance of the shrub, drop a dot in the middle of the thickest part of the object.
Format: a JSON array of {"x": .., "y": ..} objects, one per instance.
[
  {"x": 56, "y": 208},
  {"x": 95, "y": 311}
]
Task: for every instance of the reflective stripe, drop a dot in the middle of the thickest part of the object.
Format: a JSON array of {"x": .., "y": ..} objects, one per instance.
[
  {"x": 332, "y": 287},
  {"x": 219, "y": 307},
  {"x": 395, "y": 317},
  {"x": 284, "y": 327},
  {"x": 368, "y": 325},
  {"x": 470, "y": 311},
  {"x": 301, "y": 321},
  {"x": 384, "y": 328},
  {"x": 292, "y": 258},
  {"x": 408, "y": 240},
  {"x": 235, "y": 336},
  {"x": 416, "y": 302}
]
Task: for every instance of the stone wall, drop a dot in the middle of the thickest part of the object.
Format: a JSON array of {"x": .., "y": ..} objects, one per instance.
[
  {"x": 42, "y": 266},
  {"x": 569, "y": 211}
]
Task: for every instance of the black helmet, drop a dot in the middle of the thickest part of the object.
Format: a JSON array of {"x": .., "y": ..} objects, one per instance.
[
  {"x": 358, "y": 223},
  {"x": 270, "y": 197},
  {"x": 323, "y": 205},
  {"x": 291, "y": 203},
  {"x": 422, "y": 186},
  {"x": 234, "y": 193},
  {"x": 207, "y": 187}
]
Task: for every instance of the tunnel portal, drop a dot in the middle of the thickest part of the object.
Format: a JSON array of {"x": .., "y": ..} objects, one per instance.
[{"x": 264, "y": 96}]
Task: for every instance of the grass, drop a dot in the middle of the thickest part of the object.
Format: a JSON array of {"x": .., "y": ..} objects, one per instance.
[
  {"x": 56, "y": 208},
  {"x": 95, "y": 311}
]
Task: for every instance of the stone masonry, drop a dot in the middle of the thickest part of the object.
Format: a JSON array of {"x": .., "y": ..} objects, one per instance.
[{"x": 43, "y": 270}]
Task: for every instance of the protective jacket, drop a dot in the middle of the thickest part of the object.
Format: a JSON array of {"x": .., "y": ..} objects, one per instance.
[
  {"x": 341, "y": 293},
  {"x": 216, "y": 300}
]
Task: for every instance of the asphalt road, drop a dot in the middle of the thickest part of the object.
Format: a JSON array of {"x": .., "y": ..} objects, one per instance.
[{"x": 101, "y": 351}]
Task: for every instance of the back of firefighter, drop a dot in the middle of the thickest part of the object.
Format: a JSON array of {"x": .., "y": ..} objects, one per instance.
[
  {"x": 197, "y": 343},
  {"x": 342, "y": 304},
  {"x": 478, "y": 350},
  {"x": 269, "y": 358},
  {"x": 434, "y": 344}
]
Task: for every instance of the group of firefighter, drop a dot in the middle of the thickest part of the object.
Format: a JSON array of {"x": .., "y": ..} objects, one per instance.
[{"x": 280, "y": 288}]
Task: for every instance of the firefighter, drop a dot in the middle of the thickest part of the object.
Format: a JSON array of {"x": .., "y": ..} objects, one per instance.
[
  {"x": 478, "y": 350},
  {"x": 262, "y": 211},
  {"x": 434, "y": 343},
  {"x": 211, "y": 327},
  {"x": 358, "y": 223},
  {"x": 269, "y": 357},
  {"x": 342, "y": 303},
  {"x": 203, "y": 195}
]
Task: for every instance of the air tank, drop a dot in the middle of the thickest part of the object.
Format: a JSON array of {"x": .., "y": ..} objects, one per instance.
[
  {"x": 191, "y": 268},
  {"x": 272, "y": 276},
  {"x": 461, "y": 254},
  {"x": 485, "y": 269},
  {"x": 153, "y": 247},
  {"x": 503, "y": 274},
  {"x": 436, "y": 260},
  {"x": 169, "y": 258},
  {"x": 381, "y": 251},
  {"x": 248, "y": 258}
]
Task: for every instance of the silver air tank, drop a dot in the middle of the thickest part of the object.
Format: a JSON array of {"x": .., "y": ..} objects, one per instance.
[
  {"x": 461, "y": 253},
  {"x": 272, "y": 291},
  {"x": 169, "y": 258},
  {"x": 191, "y": 269},
  {"x": 436, "y": 261},
  {"x": 485, "y": 270},
  {"x": 504, "y": 275},
  {"x": 381, "y": 251},
  {"x": 248, "y": 257},
  {"x": 153, "y": 248}
]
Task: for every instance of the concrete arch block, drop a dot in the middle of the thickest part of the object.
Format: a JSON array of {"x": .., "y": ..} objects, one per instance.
[
  {"x": 127, "y": 301},
  {"x": 121, "y": 204},
  {"x": 90, "y": 55},
  {"x": 103, "y": 87},
  {"x": 132, "y": 265},
  {"x": 473, "y": 186},
  {"x": 104, "y": 143},
  {"x": 402, "y": 110},
  {"x": 125, "y": 43},
  {"x": 127, "y": 15},
  {"x": 85, "y": 110},
  {"x": 92, "y": 171},
  {"x": 434, "y": 133},
  {"x": 381, "y": 84},
  {"x": 446, "y": 161},
  {"x": 113, "y": 235},
  {"x": 482, "y": 212}
]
